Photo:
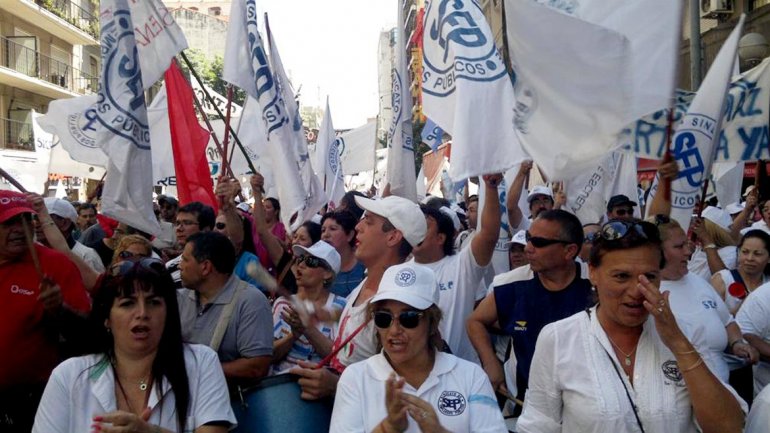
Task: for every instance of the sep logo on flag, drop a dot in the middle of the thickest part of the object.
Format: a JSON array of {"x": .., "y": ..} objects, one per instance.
[
  {"x": 337, "y": 147},
  {"x": 695, "y": 129},
  {"x": 81, "y": 126},
  {"x": 461, "y": 50}
]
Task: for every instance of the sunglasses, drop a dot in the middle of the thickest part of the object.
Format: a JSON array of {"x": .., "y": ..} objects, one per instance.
[
  {"x": 220, "y": 226},
  {"x": 616, "y": 230},
  {"x": 539, "y": 242},
  {"x": 132, "y": 265},
  {"x": 407, "y": 319},
  {"x": 310, "y": 261}
]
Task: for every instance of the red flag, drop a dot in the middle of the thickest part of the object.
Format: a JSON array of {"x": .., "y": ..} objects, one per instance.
[{"x": 188, "y": 141}]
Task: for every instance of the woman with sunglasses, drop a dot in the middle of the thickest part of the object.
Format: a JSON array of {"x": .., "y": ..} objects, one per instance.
[
  {"x": 139, "y": 376},
  {"x": 699, "y": 310},
  {"x": 132, "y": 246},
  {"x": 305, "y": 323},
  {"x": 411, "y": 386},
  {"x": 752, "y": 271},
  {"x": 625, "y": 365}
]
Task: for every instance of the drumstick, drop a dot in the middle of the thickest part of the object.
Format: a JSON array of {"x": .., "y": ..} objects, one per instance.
[{"x": 510, "y": 397}]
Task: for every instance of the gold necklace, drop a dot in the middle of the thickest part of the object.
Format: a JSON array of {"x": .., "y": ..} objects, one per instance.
[{"x": 627, "y": 355}]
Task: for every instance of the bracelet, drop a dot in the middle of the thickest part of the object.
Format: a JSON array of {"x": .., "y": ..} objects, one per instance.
[
  {"x": 693, "y": 367},
  {"x": 689, "y": 352},
  {"x": 47, "y": 223},
  {"x": 710, "y": 247}
]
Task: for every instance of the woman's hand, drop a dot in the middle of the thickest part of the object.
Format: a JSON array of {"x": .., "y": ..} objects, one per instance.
[
  {"x": 423, "y": 413},
  {"x": 123, "y": 422},
  {"x": 699, "y": 228},
  {"x": 657, "y": 304},
  {"x": 746, "y": 351},
  {"x": 291, "y": 317},
  {"x": 395, "y": 404}
]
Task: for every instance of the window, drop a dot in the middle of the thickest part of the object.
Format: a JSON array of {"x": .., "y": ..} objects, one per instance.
[{"x": 215, "y": 11}]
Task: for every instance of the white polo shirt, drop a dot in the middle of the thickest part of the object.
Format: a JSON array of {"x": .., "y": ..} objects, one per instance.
[
  {"x": 754, "y": 318},
  {"x": 364, "y": 344},
  {"x": 574, "y": 387},
  {"x": 457, "y": 390},
  {"x": 83, "y": 387}
]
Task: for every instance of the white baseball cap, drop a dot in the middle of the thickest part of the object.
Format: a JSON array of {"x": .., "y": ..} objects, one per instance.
[
  {"x": 453, "y": 216},
  {"x": 323, "y": 251},
  {"x": 410, "y": 283},
  {"x": 539, "y": 190},
  {"x": 519, "y": 238},
  {"x": 405, "y": 215},
  {"x": 717, "y": 216},
  {"x": 61, "y": 208}
]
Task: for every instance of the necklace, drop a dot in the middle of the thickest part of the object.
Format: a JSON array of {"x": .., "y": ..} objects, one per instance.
[{"x": 628, "y": 356}]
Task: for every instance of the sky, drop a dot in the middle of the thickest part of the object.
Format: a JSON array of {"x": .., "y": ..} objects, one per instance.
[{"x": 329, "y": 47}]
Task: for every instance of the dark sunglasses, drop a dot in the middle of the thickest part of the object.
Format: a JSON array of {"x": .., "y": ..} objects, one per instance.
[
  {"x": 126, "y": 254},
  {"x": 133, "y": 265},
  {"x": 220, "y": 226},
  {"x": 539, "y": 242},
  {"x": 310, "y": 261},
  {"x": 407, "y": 319},
  {"x": 616, "y": 230}
]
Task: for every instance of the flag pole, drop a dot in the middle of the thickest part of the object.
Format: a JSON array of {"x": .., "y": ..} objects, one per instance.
[
  {"x": 219, "y": 112},
  {"x": 334, "y": 184},
  {"x": 226, "y": 140}
]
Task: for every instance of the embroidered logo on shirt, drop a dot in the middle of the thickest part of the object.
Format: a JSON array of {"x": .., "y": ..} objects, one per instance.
[
  {"x": 709, "y": 304},
  {"x": 406, "y": 277},
  {"x": 451, "y": 403},
  {"x": 521, "y": 325},
  {"x": 671, "y": 371}
]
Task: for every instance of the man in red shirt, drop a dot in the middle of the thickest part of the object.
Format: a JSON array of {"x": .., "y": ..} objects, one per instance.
[{"x": 35, "y": 311}]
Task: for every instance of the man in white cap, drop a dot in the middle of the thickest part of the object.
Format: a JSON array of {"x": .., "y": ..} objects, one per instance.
[
  {"x": 540, "y": 198},
  {"x": 390, "y": 228},
  {"x": 65, "y": 217},
  {"x": 459, "y": 276}
]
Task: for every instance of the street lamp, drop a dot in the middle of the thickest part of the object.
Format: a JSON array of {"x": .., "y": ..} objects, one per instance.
[{"x": 752, "y": 49}]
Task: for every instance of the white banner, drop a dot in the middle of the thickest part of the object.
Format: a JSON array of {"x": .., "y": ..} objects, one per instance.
[
  {"x": 217, "y": 100},
  {"x": 357, "y": 148},
  {"x": 401, "y": 173},
  {"x": 694, "y": 140},
  {"x": 329, "y": 168},
  {"x": 29, "y": 168},
  {"x": 588, "y": 194},
  {"x": 466, "y": 89}
]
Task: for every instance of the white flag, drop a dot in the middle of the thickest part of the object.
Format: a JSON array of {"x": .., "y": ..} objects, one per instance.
[
  {"x": 467, "y": 90},
  {"x": 217, "y": 100},
  {"x": 74, "y": 122},
  {"x": 400, "y": 172},
  {"x": 694, "y": 140},
  {"x": 728, "y": 179},
  {"x": 584, "y": 70},
  {"x": 328, "y": 159},
  {"x": 357, "y": 148},
  {"x": 29, "y": 168}
]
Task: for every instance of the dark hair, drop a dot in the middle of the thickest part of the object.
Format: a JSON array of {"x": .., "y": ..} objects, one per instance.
[
  {"x": 471, "y": 199},
  {"x": 203, "y": 212},
  {"x": 275, "y": 203},
  {"x": 313, "y": 230},
  {"x": 214, "y": 247},
  {"x": 632, "y": 239},
  {"x": 571, "y": 230},
  {"x": 86, "y": 206},
  {"x": 444, "y": 225},
  {"x": 761, "y": 235},
  {"x": 404, "y": 248},
  {"x": 348, "y": 203},
  {"x": 437, "y": 203},
  {"x": 346, "y": 219},
  {"x": 147, "y": 275}
]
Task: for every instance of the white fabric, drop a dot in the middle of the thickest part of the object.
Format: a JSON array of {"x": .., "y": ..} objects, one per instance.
[
  {"x": 167, "y": 237},
  {"x": 699, "y": 266},
  {"x": 327, "y": 160},
  {"x": 357, "y": 153},
  {"x": 459, "y": 279},
  {"x": 81, "y": 388},
  {"x": 401, "y": 174},
  {"x": 364, "y": 344},
  {"x": 729, "y": 177},
  {"x": 731, "y": 301},
  {"x": 759, "y": 417},
  {"x": 466, "y": 90},
  {"x": 573, "y": 386},
  {"x": 72, "y": 121},
  {"x": 703, "y": 316},
  {"x": 694, "y": 141},
  {"x": 754, "y": 318},
  {"x": 89, "y": 255},
  {"x": 458, "y": 392}
]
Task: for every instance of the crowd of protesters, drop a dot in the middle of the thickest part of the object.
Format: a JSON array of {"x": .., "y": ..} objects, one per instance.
[{"x": 391, "y": 309}]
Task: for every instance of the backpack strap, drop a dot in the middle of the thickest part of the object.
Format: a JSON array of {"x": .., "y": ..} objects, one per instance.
[{"x": 227, "y": 314}]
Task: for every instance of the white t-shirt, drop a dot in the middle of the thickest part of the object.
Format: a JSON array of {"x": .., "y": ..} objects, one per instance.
[
  {"x": 731, "y": 301},
  {"x": 702, "y": 315},
  {"x": 458, "y": 391},
  {"x": 364, "y": 344},
  {"x": 754, "y": 318},
  {"x": 759, "y": 417},
  {"x": 89, "y": 255},
  {"x": 459, "y": 279},
  {"x": 83, "y": 387},
  {"x": 699, "y": 266},
  {"x": 574, "y": 387}
]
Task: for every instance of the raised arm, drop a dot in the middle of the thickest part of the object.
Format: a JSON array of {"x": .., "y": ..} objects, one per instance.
[
  {"x": 514, "y": 194},
  {"x": 226, "y": 190},
  {"x": 660, "y": 205},
  {"x": 272, "y": 244},
  {"x": 483, "y": 244}
]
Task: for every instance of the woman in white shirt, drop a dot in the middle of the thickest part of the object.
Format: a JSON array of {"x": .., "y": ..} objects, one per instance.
[
  {"x": 752, "y": 270},
  {"x": 624, "y": 365},
  {"x": 140, "y": 377},
  {"x": 410, "y": 386}
]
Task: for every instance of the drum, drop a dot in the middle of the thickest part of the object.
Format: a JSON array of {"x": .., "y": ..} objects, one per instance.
[{"x": 275, "y": 406}]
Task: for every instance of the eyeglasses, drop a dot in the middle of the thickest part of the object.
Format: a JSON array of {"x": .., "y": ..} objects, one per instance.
[
  {"x": 220, "y": 226},
  {"x": 134, "y": 264},
  {"x": 126, "y": 254},
  {"x": 539, "y": 242},
  {"x": 407, "y": 319},
  {"x": 623, "y": 212},
  {"x": 185, "y": 223},
  {"x": 590, "y": 238},
  {"x": 310, "y": 261},
  {"x": 616, "y": 230}
]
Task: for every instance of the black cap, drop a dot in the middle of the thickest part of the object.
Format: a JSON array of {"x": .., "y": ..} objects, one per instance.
[
  {"x": 167, "y": 199},
  {"x": 619, "y": 200}
]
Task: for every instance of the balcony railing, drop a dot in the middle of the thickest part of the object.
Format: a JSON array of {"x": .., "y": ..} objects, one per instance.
[
  {"x": 16, "y": 135},
  {"x": 31, "y": 62},
  {"x": 73, "y": 14}
]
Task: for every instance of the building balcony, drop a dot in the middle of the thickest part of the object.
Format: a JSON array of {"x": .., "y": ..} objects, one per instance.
[
  {"x": 16, "y": 135},
  {"x": 30, "y": 70},
  {"x": 62, "y": 18}
]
